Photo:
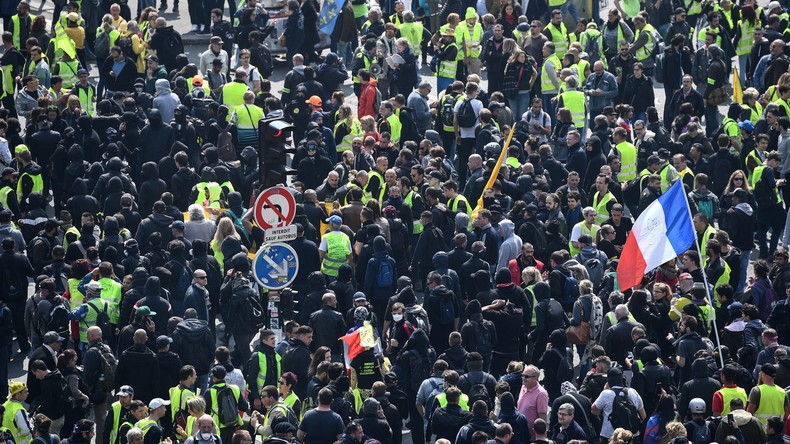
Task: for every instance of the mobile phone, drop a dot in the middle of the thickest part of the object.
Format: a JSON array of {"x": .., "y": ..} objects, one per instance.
[{"x": 729, "y": 418}]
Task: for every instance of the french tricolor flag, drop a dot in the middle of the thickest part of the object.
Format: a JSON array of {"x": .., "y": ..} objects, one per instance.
[{"x": 663, "y": 231}]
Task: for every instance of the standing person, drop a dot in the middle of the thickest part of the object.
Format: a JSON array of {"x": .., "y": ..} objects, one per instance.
[
  {"x": 227, "y": 422},
  {"x": 467, "y": 112},
  {"x": 714, "y": 92},
  {"x": 98, "y": 383},
  {"x": 549, "y": 78},
  {"x": 15, "y": 417},
  {"x": 16, "y": 269},
  {"x": 321, "y": 425},
  {"x": 533, "y": 400},
  {"x": 601, "y": 89},
  {"x": 604, "y": 404}
]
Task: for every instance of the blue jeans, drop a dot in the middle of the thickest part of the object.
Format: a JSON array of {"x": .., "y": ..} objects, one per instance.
[
  {"x": 570, "y": 6},
  {"x": 744, "y": 260},
  {"x": 519, "y": 104},
  {"x": 640, "y": 115},
  {"x": 548, "y": 106},
  {"x": 345, "y": 52}
]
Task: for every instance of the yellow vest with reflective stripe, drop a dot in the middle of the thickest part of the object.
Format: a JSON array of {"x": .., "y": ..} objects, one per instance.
[
  {"x": 11, "y": 408},
  {"x": 337, "y": 250},
  {"x": 574, "y": 101},
  {"x": 86, "y": 98},
  {"x": 291, "y": 400},
  {"x": 354, "y": 131},
  {"x": 453, "y": 204},
  {"x": 747, "y": 38},
  {"x": 730, "y": 393},
  {"x": 709, "y": 233},
  {"x": 545, "y": 83},
  {"x": 90, "y": 318},
  {"x": 17, "y": 34},
  {"x": 111, "y": 292},
  {"x": 463, "y": 402},
  {"x": 592, "y": 231},
  {"x": 68, "y": 72},
  {"x": 582, "y": 68},
  {"x": 4, "y": 192},
  {"x": 178, "y": 400},
  {"x": 38, "y": 184},
  {"x": 647, "y": 50},
  {"x": 601, "y": 213},
  {"x": 448, "y": 68},
  {"x": 413, "y": 33},
  {"x": 215, "y": 405},
  {"x": 365, "y": 59},
  {"x": 758, "y": 174},
  {"x": 116, "y": 414},
  {"x": 233, "y": 95},
  {"x": 417, "y": 227},
  {"x": 214, "y": 191},
  {"x": 263, "y": 368},
  {"x": 474, "y": 38},
  {"x": 368, "y": 194},
  {"x": 145, "y": 425},
  {"x": 559, "y": 37},
  {"x": 627, "y": 160},
  {"x": 664, "y": 178},
  {"x": 395, "y": 128},
  {"x": 772, "y": 403}
]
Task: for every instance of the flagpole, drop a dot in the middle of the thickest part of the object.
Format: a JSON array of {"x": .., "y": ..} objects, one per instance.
[{"x": 705, "y": 279}]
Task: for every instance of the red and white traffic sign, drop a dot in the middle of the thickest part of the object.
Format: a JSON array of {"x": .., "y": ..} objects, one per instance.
[{"x": 275, "y": 207}]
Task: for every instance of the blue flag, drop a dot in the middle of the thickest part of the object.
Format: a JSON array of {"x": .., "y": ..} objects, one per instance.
[{"x": 328, "y": 17}]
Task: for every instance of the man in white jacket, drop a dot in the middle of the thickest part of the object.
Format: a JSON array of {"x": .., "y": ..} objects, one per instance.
[{"x": 214, "y": 51}]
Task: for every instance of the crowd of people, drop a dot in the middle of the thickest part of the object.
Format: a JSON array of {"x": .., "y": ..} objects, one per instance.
[{"x": 430, "y": 228}]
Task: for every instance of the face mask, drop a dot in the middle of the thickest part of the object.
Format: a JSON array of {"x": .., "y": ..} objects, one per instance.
[
  {"x": 205, "y": 436},
  {"x": 397, "y": 317},
  {"x": 396, "y": 201}
]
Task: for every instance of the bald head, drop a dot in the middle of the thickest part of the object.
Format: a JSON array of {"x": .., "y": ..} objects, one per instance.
[
  {"x": 94, "y": 333},
  {"x": 249, "y": 97},
  {"x": 297, "y": 59},
  {"x": 161, "y": 22},
  {"x": 140, "y": 336},
  {"x": 598, "y": 67}
]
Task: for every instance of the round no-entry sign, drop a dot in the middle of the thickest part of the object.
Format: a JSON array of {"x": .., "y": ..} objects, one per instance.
[{"x": 275, "y": 207}]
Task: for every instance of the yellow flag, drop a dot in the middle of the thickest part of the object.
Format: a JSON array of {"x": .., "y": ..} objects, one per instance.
[
  {"x": 495, "y": 172},
  {"x": 737, "y": 92}
]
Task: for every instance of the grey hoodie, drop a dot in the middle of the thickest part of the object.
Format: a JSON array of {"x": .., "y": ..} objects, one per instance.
[{"x": 511, "y": 244}]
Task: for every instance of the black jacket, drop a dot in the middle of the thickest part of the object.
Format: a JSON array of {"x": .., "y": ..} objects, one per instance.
[
  {"x": 297, "y": 360},
  {"x": 169, "y": 365},
  {"x": 138, "y": 367},
  {"x": 194, "y": 343},
  {"x": 18, "y": 269},
  {"x": 328, "y": 325},
  {"x": 448, "y": 420}
]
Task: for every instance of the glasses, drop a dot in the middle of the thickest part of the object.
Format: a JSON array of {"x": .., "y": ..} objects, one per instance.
[
  {"x": 563, "y": 414},
  {"x": 739, "y": 179},
  {"x": 533, "y": 26},
  {"x": 245, "y": 58},
  {"x": 527, "y": 376},
  {"x": 201, "y": 277}
]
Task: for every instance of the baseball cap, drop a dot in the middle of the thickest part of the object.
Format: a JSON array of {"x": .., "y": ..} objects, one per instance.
[
  {"x": 178, "y": 225},
  {"x": 335, "y": 220},
  {"x": 144, "y": 310},
  {"x": 82, "y": 71},
  {"x": 653, "y": 160},
  {"x": 679, "y": 10},
  {"x": 153, "y": 57},
  {"x": 125, "y": 390},
  {"x": 608, "y": 110},
  {"x": 740, "y": 193},
  {"x": 8, "y": 170},
  {"x": 684, "y": 276},
  {"x": 219, "y": 372},
  {"x": 768, "y": 369},
  {"x": 773, "y": 5},
  {"x": 72, "y": 17},
  {"x": 21, "y": 148},
  {"x": 359, "y": 296},
  {"x": 15, "y": 387},
  {"x": 157, "y": 402},
  {"x": 197, "y": 80},
  {"x": 51, "y": 336},
  {"x": 216, "y": 40},
  {"x": 163, "y": 340},
  {"x": 94, "y": 287},
  {"x": 746, "y": 125}
]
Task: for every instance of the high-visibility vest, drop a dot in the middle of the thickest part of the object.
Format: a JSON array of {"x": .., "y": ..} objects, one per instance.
[
  {"x": 647, "y": 50},
  {"x": 694, "y": 8},
  {"x": 448, "y": 68},
  {"x": 263, "y": 369},
  {"x": 145, "y": 425},
  {"x": 117, "y": 408},
  {"x": 599, "y": 204},
  {"x": 730, "y": 393},
  {"x": 337, "y": 250},
  {"x": 178, "y": 400},
  {"x": 574, "y": 101},
  {"x": 754, "y": 113},
  {"x": 395, "y": 128},
  {"x": 453, "y": 204},
  {"x": 76, "y": 232},
  {"x": 86, "y": 96},
  {"x": 111, "y": 291},
  {"x": 360, "y": 53},
  {"x": 113, "y": 34},
  {"x": 593, "y": 34},
  {"x": 204, "y": 87},
  {"x": 367, "y": 193},
  {"x": 703, "y": 243},
  {"x": 215, "y": 405},
  {"x": 396, "y": 20},
  {"x": 772, "y": 403},
  {"x": 38, "y": 184},
  {"x": 463, "y": 401},
  {"x": 281, "y": 406},
  {"x": 354, "y": 131},
  {"x": 747, "y": 38},
  {"x": 91, "y": 316},
  {"x": 247, "y": 121},
  {"x": 705, "y": 30},
  {"x": 627, "y": 161},
  {"x": 583, "y": 229},
  {"x": 534, "y": 322},
  {"x": 233, "y": 95},
  {"x": 413, "y": 33},
  {"x": 545, "y": 83},
  {"x": 474, "y": 37},
  {"x": 17, "y": 34},
  {"x": 664, "y": 174},
  {"x": 291, "y": 400},
  {"x": 583, "y": 66},
  {"x": 758, "y": 174},
  {"x": 559, "y": 36},
  {"x": 447, "y": 128},
  {"x": 4, "y": 192},
  {"x": 754, "y": 155},
  {"x": 214, "y": 190},
  {"x": 68, "y": 72},
  {"x": 417, "y": 225},
  {"x": 12, "y": 407}
]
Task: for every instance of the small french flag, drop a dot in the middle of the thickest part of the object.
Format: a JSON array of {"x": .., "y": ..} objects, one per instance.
[{"x": 663, "y": 231}]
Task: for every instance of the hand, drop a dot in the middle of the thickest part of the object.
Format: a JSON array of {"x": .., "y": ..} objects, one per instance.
[
  {"x": 256, "y": 404},
  {"x": 149, "y": 325},
  {"x": 393, "y": 342},
  {"x": 112, "y": 73},
  {"x": 410, "y": 268},
  {"x": 180, "y": 431},
  {"x": 230, "y": 272},
  {"x": 441, "y": 207},
  {"x": 166, "y": 441}
]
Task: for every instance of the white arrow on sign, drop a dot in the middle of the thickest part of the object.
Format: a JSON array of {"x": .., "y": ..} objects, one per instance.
[{"x": 276, "y": 269}]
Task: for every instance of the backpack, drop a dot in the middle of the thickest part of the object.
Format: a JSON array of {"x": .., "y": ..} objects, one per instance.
[
  {"x": 181, "y": 280},
  {"x": 58, "y": 318},
  {"x": 245, "y": 308},
  {"x": 102, "y": 319},
  {"x": 701, "y": 433},
  {"x": 109, "y": 364},
  {"x": 705, "y": 206},
  {"x": 225, "y": 148},
  {"x": 101, "y": 47},
  {"x": 448, "y": 110},
  {"x": 386, "y": 274},
  {"x": 419, "y": 368},
  {"x": 431, "y": 404},
  {"x": 417, "y": 317},
  {"x": 61, "y": 279},
  {"x": 659, "y": 69},
  {"x": 624, "y": 414},
  {"x": 593, "y": 47},
  {"x": 534, "y": 235},
  {"x": 565, "y": 369},
  {"x": 125, "y": 43},
  {"x": 483, "y": 333},
  {"x": 377, "y": 101},
  {"x": 227, "y": 407},
  {"x": 171, "y": 48},
  {"x": 446, "y": 311},
  {"x": 653, "y": 431},
  {"x": 595, "y": 269},
  {"x": 570, "y": 288},
  {"x": 289, "y": 414},
  {"x": 466, "y": 114},
  {"x": 33, "y": 242},
  {"x": 478, "y": 392}
]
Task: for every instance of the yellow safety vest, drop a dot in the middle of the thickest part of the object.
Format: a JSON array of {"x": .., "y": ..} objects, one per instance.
[
  {"x": 758, "y": 174},
  {"x": 93, "y": 313},
  {"x": 545, "y": 83},
  {"x": 703, "y": 243},
  {"x": 413, "y": 33},
  {"x": 754, "y": 157},
  {"x": 647, "y": 50},
  {"x": 214, "y": 191},
  {"x": 263, "y": 368},
  {"x": 463, "y": 402},
  {"x": 38, "y": 184},
  {"x": 365, "y": 59},
  {"x": 367, "y": 194},
  {"x": 86, "y": 96},
  {"x": 338, "y": 247},
  {"x": 448, "y": 68},
  {"x": 600, "y": 203},
  {"x": 474, "y": 38},
  {"x": 116, "y": 414},
  {"x": 4, "y": 192},
  {"x": 417, "y": 227},
  {"x": 730, "y": 393},
  {"x": 664, "y": 178},
  {"x": 291, "y": 400},
  {"x": 453, "y": 204},
  {"x": 111, "y": 292},
  {"x": 592, "y": 231},
  {"x": 68, "y": 72},
  {"x": 354, "y": 131},
  {"x": 395, "y": 128},
  {"x": 594, "y": 34},
  {"x": 627, "y": 161},
  {"x": 747, "y": 38},
  {"x": 574, "y": 101},
  {"x": 559, "y": 37},
  {"x": 233, "y": 95},
  {"x": 146, "y": 424},
  {"x": 215, "y": 405},
  {"x": 772, "y": 403},
  {"x": 18, "y": 34},
  {"x": 448, "y": 128},
  {"x": 11, "y": 408},
  {"x": 178, "y": 400},
  {"x": 582, "y": 68}
]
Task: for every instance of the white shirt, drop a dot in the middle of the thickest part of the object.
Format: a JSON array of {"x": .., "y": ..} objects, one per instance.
[
  {"x": 477, "y": 106},
  {"x": 605, "y": 402},
  {"x": 252, "y": 75}
]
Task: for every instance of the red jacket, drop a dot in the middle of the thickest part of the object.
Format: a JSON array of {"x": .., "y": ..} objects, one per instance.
[
  {"x": 515, "y": 269},
  {"x": 367, "y": 100}
]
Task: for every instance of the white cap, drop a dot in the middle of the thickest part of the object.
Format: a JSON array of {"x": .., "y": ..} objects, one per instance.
[{"x": 157, "y": 402}]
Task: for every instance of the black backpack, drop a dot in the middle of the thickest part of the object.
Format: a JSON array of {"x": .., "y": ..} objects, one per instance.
[
  {"x": 478, "y": 391},
  {"x": 102, "y": 318},
  {"x": 245, "y": 308},
  {"x": 419, "y": 369},
  {"x": 466, "y": 114},
  {"x": 182, "y": 279},
  {"x": 448, "y": 109},
  {"x": 484, "y": 343},
  {"x": 227, "y": 407},
  {"x": 58, "y": 318},
  {"x": 61, "y": 279},
  {"x": 125, "y": 43},
  {"x": 171, "y": 48},
  {"x": 624, "y": 414}
]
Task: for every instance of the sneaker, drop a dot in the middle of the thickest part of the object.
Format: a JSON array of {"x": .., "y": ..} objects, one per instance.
[
  {"x": 205, "y": 30},
  {"x": 195, "y": 28}
]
